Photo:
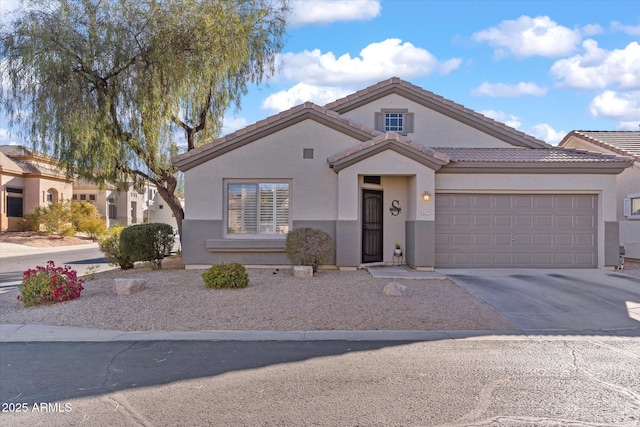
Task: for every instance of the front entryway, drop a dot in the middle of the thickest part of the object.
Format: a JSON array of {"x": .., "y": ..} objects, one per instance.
[{"x": 371, "y": 226}]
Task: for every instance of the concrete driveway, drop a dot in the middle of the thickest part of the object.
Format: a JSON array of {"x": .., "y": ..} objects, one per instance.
[{"x": 558, "y": 301}]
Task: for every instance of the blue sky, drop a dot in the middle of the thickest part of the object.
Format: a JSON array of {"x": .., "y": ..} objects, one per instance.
[{"x": 543, "y": 67}]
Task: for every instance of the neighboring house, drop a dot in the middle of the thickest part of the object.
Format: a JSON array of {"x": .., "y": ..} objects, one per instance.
[
  {"x": 395, "y": 163},
  {"x": 625, "y": 143},
  {"x": 28, "y": 179}
]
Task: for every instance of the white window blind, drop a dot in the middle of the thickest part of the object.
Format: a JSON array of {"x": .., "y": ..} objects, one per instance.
[{"x": 258, "y": 208}]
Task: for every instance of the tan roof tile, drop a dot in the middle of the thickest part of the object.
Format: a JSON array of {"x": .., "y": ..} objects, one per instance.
[
  {"x": 626, "y": 143},
  {"x": 525, "y": 155}
]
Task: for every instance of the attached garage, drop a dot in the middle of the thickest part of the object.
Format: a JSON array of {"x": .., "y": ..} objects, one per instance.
[{"x": 516, "y": 230}]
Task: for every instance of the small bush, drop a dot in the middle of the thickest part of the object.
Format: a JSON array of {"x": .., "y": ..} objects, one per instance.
[
  {"x": 86, "y": 218},
  {"x": 309, "y": 246},
  {"x": 231, "y": 275},
  {"x": 54, "y": 218},
  {"x": 147, "y": 242},
  {"x": 49, "y": 284},
  {"x": 109, "y": 245}
]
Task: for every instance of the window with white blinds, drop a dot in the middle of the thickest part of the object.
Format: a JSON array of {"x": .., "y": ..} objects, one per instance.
[{"x": 258, "y": 208}]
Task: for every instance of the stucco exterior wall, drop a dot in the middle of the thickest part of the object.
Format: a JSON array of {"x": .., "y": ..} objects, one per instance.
[
  {"x": 277, "y": 156},
  {"x": 627, "y": 182},
  {"x": 402, "y": 179},
  {"x": 431, "y": 129},
  {"x": 602, "y": 185}
]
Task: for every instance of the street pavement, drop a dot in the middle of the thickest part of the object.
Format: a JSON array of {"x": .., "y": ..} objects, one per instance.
[
  {"x": 550, "y": 381},
  {"x": 14, "y": 259},
  {"x": 554, "y": 371}
]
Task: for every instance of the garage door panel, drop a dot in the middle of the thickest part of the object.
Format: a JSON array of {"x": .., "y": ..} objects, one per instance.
[
  {"x": 543, "y": 221},
  {"x": 516, "y": 230}
]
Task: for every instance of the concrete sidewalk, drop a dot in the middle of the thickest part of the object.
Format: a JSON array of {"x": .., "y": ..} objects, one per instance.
[
  {"x": 44, "y": 333},
  {"x": 12, "y": 249}
]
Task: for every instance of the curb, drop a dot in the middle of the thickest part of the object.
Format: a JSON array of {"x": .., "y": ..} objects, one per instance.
[{"x": 43, "y": 333}]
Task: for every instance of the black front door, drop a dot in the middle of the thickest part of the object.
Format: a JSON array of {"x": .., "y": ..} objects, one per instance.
[{"x": 371, "y": 226}]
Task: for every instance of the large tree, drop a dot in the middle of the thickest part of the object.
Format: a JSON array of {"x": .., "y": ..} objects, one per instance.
[{"x": 115, "y": 88}]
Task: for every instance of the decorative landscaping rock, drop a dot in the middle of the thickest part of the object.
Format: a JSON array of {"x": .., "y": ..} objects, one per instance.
[
  {"x": 128, "y": 286},
  {"x": 303, "y": 271},
  {"x": 394, "y": 289}
]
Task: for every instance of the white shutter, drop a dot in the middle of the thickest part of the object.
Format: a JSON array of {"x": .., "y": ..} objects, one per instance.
[
  {"x": 627, "y": 207},
  {"x": 242, "y": 209}
]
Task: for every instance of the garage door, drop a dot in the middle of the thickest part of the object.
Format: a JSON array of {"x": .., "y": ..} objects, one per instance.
[{"x": 516, "y": 230}]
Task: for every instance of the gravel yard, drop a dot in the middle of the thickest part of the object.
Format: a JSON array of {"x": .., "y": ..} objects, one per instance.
[{"x": 176, "y": 299}]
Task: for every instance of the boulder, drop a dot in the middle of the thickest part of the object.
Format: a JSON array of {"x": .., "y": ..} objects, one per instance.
[
  {"x": 128, "y": 286},
  {"x": 303, "y": 271},
  {"x": 394, "y": 289}
]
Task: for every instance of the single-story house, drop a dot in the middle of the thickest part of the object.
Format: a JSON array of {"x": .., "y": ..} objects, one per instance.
[
  {"x": 624, "y": 143},
  {"x": 396, "y": 163}
]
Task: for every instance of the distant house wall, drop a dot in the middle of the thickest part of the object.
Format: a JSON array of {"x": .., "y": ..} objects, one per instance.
[{"x": 627, "y": 182}]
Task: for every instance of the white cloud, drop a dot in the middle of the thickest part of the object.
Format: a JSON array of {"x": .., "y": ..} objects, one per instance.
[
  {"x": 327, "y": 11},
  {"x": 632, "y": 30},
  {"x": 231, "y": 124},
  {"x": 6, "y": 138},
  {"x": 300, "y": 93},
  {"x": 599, "y": 68},
  {"x": 547, "y": 133},
  {"x": 539, "y": 36},
  {"x": 376, "y": 61},
  {"x": 6, "y": 8},
  {"x": 507, "y": 119},
  {"x": 623, "y": 107},
  {"x": 507, "y": 90}
]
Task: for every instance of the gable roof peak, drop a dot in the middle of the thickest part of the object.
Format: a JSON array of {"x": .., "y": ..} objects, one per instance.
[{"x": 459, "y": 112}]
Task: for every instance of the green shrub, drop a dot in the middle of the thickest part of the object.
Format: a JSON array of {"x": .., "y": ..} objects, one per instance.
[
  {"x": 86, "y": 218},
  {"x": 49, "y": 284},
  {"x": 68, "y": 217},
  {"x": 54, "y": 218},
  {"x": 109, "y": 245},
  {"x": 231, "y": 275},
  {"x": 147, "y": 242},
  {"x": 309, "y": 246}
]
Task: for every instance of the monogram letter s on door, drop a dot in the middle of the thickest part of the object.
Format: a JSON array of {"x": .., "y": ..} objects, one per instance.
[{"x": 395, "y": 208}]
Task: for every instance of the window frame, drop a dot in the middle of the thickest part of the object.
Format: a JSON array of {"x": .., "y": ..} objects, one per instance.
[
  {"x": 257, "y": 235},
  {"x": 407, "y": 120},
  {"x": 14, "y": 194},
  {"x": 629, "y": 204}
]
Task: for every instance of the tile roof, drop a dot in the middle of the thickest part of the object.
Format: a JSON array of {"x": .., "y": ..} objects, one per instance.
[
  {"x": 385, "y": 138},
  {"x": 444, "y": 103},
  {"x": 7, "y": 164},
  {"x": 626, "y": 143},
  {"x": 525, "y": 155},
  {"x": 270, "y": 124}
]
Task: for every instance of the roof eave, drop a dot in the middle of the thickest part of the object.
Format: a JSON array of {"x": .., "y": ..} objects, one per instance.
[
  {"x": 216, "y": 148},
  {"x": 605, "y": 168},
  {"x": 440, "y": 105},
  {"x": 421, "y": 157}
]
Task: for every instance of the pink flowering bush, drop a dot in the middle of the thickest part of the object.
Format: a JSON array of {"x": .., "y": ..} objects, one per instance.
[{"x": 49, "y": 284}]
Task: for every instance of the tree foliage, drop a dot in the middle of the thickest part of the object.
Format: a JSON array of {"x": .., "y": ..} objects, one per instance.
[{"x": 113, "y": 88}]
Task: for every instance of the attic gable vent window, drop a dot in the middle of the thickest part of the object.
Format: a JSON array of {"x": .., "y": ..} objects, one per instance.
[{"x": 398, "y": 120}]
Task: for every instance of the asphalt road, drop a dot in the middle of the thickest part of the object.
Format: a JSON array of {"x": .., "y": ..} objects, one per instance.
[
  {"x": 81, "y": 260},
  {"x": 501, "y": 381}
]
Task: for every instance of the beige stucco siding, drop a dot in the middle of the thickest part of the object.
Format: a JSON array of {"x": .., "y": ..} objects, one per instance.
[
  {"x": 431, "y": 128},
  {"x": 602, "y": 185},
  {"x": 627, "y": 182},
  {"x": 385, "y": 163},
  {"x": 276, "y": 156}
]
